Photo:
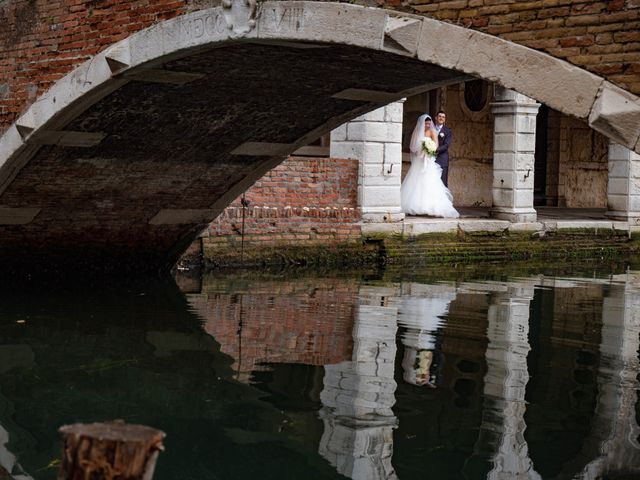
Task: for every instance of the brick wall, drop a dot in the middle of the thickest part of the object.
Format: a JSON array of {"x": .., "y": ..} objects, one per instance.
[
  {"x": 600, "y": 36},
  {"x": 303, "y": 201},
  {"x": 42, "y": 40}
]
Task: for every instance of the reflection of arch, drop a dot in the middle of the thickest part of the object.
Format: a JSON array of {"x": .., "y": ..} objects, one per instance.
[{"x": 150, "y": 93}]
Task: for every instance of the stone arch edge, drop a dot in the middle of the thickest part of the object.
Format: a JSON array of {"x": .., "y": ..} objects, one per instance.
[{"x": 560, "y": 85}]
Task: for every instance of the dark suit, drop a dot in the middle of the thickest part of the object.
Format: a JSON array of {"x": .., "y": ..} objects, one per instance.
[{"x": 442, "y": 154}]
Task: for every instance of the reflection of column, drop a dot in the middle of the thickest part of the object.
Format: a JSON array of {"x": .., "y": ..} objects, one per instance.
[
  {"x": 358, "y": 395},
  {"x": 12, "y": 356},
  {"x": 505, "y": 384},
  {"x": 612, "y": 447},
  {"x": 9, "y": 467}
]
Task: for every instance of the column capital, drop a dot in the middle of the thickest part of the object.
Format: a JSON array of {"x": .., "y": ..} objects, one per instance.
[{"x": 514, "y": 108}]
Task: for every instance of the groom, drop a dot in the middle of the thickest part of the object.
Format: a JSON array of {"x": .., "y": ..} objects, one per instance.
[{"x": 444, "y": 140}]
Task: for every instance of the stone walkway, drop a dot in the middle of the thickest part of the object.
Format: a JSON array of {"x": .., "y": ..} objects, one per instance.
[{"x": 476, "y": 219}]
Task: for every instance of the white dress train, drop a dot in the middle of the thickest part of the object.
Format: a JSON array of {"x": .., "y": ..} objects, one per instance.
[{"x": 422, "y": 191}]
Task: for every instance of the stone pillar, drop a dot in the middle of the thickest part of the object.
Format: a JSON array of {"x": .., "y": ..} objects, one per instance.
[
  {"x": 514, "y": 140},
  {"x": 375, "y": 139},
  {"x": 503, "y": 425},
  {"x": 623, "y": 188},
  {"x": 358, "y": 395}
]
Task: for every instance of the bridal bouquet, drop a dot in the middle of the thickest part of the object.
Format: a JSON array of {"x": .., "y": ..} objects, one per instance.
[{"x": 429, "y": 146}]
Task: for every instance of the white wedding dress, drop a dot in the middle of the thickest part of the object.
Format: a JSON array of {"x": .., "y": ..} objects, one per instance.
[{"x": 422, "y": 191}]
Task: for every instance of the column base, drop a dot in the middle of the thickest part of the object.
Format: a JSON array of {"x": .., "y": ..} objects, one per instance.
[
  {"x": 524, "y": 215},
  {"x": 382, "y": 217},
  {"x": 632, "y": 217}
]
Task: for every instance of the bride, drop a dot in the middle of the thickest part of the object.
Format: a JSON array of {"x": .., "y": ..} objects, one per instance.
[{"x": 422, "y": 191}]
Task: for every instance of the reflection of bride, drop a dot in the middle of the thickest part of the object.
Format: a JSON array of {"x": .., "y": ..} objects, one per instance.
[
  {"x": 421, "y": 318},
  {"x": 422, "y": 191}
]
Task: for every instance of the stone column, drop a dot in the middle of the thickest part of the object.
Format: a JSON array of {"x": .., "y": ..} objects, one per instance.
[
  {"x": 503, "y": 425},
  {"x": 514, "y": 140},
  {"x": 623, "y": 187},
  {"x": 358, "y": 395},
  {"x": 375, "y": 139}
]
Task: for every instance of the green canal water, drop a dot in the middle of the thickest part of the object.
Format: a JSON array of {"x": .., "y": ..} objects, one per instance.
[{"x": 519, "y": 372}]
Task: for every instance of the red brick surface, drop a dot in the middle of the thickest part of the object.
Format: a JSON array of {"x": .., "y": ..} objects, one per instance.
[
  {"x": 42, "y": 40},
  {"x": 308, "y": 322},
  {"x": 302, "y": 201}
]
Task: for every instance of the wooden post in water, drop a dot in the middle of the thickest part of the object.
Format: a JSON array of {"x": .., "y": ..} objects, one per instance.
[{"x": 105, "y": 451}]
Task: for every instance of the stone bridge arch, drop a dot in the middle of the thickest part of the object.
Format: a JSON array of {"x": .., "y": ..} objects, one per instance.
[{"x": 128, "y": 157}]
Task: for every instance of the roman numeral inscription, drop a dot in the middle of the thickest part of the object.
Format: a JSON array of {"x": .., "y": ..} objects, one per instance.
[
  {"x": 291, "y": 18},
  {"x": 209, "y": 25}
]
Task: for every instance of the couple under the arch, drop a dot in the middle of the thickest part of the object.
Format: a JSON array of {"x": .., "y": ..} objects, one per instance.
[{"x": 423, "y": 191}]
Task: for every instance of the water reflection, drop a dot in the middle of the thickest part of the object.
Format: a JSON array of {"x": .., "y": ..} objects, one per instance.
[
  {"x": 525, "y": 378},
  {"x": 422, "y": 312}
]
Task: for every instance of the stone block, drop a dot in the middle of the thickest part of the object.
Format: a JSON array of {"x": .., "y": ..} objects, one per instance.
[
  {"x": 584, "y": 224},
  {"x": 515, "y": 215},
  {"x": 381, "y": 228},
  {"x": 504, "y": 142},
  {"x": 388, "y": 215},
  {"x": 401, "y": 34},
  {"x": 473, "y": 225},
  {"x": 526, "y": 124},
  {"x": 339, "y": 134},
  {"x": 504, "y": 179},
  {"x": 395, "y": 132},
  {"x": 523, "y": 198},
  {"x": 618, "y": 186},
  {"x": 619, "y": 203},
  {"x": 368, "y": 132},
  {"x": 634, "y": 203},
  {"x": 616, "y": 113},
  {"x": 387, "y": 197},
  {"x": 505, "y": 124},
  {"x": 526, "y": 142},
  {"x": 393, "y": 154},
  {"x": 376, "y": 115},
  {"x": 526, "y": 227},
  {"x": 367, "y": 152},
  {"x": 502, "y": 197},
  {"x": 393, "y": 112},
  {"x": 417, "y": 227},
  {"x": 372, "y": 175},
  {"x": 504, "y": 160},
  {"x": 322, "y": 22},
  {"x": 619, "y": 168}
]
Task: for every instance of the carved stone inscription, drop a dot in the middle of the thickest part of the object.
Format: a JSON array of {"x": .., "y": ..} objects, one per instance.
[
  {"x": 236, "y": 18},
  {"x": 283, "y": 18},
  {"x": 291, "y": 18},
  {"x": 210, "y": 24}
]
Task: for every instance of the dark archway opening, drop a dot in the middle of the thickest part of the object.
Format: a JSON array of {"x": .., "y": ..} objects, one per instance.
[{"x": 540, "y": 165}]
